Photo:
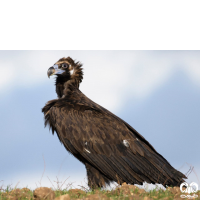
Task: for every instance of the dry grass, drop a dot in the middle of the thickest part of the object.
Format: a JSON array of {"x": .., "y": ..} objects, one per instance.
[{"x": 124, "y": 192}]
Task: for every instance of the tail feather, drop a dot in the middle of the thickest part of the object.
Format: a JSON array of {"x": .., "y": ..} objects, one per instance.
[{"x": 133, "y": 169}]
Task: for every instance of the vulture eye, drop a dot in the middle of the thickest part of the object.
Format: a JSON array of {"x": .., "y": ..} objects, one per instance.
[{"x": 65, "y": 65}]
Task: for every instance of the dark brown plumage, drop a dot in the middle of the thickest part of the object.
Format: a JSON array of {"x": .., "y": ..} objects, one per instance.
[{"x": 110, "y": 149}]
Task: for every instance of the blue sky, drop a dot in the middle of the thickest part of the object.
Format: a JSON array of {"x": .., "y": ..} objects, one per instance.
[{"x": 156, "y": 92}]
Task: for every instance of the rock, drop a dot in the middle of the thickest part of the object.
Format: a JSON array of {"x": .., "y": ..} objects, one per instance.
[
  {"x": 127, "y": 190},
  {"x": 44, "y": 193},
  {"x": 177, "y": 196},
  {"x": 26, "y": 190},
  {"x": 97, "y": 192},
  {"x": 147, "y": 198},
  {"x": 141, "y": 191},
  {"x": 174, "y": 190},
  {"x": 134, "y": 196},
  {"x": 76, "y": 192},
  {"x": 166, "y": 198},
  {"x": 133, "y": 187},
  {"x": 15, "y": 194},
  {"x": 96, "y": 197},
  {"x": 10, "y": 197},
  {"x": 63, "y": 197}
]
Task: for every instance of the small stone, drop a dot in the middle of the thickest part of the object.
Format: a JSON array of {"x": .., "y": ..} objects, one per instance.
[
  {"x": 141, "y": 191},
  {"x": 77, "y": 192},
  {"x": 11, "y": 197},
  {"x": 19, "y": 194},
  {"x": 63, "y": 197},
  {"x": 96, "y": 197},
  {"x": 44, "y": 193},
  {"x": 26, "y": 190},
  {"x": 174, "y": 190}
]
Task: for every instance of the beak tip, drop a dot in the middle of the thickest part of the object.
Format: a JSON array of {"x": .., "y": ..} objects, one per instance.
[{"x": 50, "y": 72}]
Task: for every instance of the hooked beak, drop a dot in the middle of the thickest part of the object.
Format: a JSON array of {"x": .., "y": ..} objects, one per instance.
[
  {"x": 54, "y": 70},
  {"x": 50, "y": 72}
]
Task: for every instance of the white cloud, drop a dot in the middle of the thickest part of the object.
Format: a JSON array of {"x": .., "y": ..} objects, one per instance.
[
  {"x": 108, "y": 74},
  {"x": 7, "y": 75},
  {"x": 191, "y": 64}
]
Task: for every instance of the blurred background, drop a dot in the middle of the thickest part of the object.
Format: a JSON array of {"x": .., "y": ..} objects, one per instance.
[{"x": 156, "y": 92}]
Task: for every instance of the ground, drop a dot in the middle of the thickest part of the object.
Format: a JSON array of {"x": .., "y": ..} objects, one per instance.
[{"x": 125, "y": 192}]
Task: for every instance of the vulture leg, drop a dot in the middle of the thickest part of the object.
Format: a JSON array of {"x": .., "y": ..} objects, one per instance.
[{"x": 95, "y": 178}]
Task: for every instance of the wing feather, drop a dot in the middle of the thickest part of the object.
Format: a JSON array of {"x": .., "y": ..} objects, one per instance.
[{"x": 94, "y": 135}]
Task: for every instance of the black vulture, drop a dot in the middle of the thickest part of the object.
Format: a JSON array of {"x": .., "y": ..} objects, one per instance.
[{"x": 110, "y": 149}]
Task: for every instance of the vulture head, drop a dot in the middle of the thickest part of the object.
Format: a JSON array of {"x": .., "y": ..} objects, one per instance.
[
  {"x": 69, "y": 73},
  {"x": 63, "y": 67}
]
